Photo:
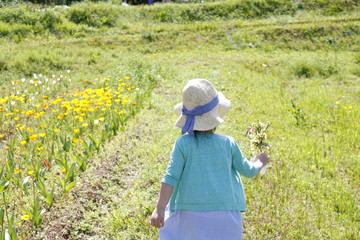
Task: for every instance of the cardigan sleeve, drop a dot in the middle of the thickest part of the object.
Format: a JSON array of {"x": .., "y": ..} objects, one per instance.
[
  {"x": 241, "y": 164},
  {"x": 175, "y": 166}
]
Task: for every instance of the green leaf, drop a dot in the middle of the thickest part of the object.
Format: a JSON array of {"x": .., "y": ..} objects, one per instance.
[
  {"x": 2, "y": 216},
  {"x": 62, "y": 183},
  {"x": 41, "y": 186},
  {"x": 70, "y": 186},
  {"x": 50, "y": 198},
  {"x": 66, "y": 146},
  {"x": 3, "y": 185},
  {"x": 25, "y": 184}
]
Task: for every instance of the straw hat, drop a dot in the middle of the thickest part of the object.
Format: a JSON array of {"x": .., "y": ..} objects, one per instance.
[{"x": 198, "y": 92}]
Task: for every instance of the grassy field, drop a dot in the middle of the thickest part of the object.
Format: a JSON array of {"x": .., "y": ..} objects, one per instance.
[{"x": 295, "y": 65}]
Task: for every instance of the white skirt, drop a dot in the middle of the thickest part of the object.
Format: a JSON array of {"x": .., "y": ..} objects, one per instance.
[{"x": 202, "y": 225}]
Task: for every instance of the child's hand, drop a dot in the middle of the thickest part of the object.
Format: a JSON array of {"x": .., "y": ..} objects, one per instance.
[
  {"x": 263, "y": 158},
  {"x": 157, "y": 218}
]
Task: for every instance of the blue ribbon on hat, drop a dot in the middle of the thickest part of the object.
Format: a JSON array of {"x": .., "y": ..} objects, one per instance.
[{"x": 197, "y": 111}]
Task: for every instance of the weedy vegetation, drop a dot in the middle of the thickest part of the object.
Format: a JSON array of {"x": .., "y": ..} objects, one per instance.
[{"x": 86, "y": 99}]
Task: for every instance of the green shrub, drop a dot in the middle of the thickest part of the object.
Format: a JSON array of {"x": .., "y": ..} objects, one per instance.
[{"x": 94, "y": 15}]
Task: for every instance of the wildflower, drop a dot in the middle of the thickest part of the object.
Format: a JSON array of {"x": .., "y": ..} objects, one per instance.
[
  {"x": 42, "y": 135},
  {"x": 96, "y": 122},
  {"x": 2, "y": 135},
  {"x": 25, "y": 217},
  {"x": 84, "y": 125},
  {"x": 135, "y": 104},
  {"x": 102, "y": 119},
  {"x": 75, "y": 140},
  {"x": 33, "y": 137},
  {"x": 76, "y": 130},
  {"x": 40, "y": 149},
  {"x": 63, "y": 171},
  {"x": 7, "y": 148},
  {"x": 56, "y": 130},
  {"x": 23, "y": 142},
  {"x": 17, "y": 171},
  {"x": 337, "y": 102},
  {"x": 30, "y": 172},
  {"x": 30, "y": 129}
]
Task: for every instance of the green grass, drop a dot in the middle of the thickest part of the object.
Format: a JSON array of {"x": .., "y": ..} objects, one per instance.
[{"x": 302, "y": 75}]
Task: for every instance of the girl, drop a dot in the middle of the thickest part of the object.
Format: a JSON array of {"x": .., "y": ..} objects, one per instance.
[{"x": 201, "y": 189}]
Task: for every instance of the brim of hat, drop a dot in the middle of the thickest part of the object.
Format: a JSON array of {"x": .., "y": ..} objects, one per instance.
[{"x": 208, "y": 120}]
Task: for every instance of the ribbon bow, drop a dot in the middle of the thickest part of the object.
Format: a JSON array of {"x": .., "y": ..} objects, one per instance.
[{"x": 197, "y": 111}]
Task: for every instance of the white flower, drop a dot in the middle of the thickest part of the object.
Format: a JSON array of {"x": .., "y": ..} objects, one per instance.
[
  {"x": 96, "y": 122},
  {"x": 40, "y": 75},
  {"x": 69, "y": 80},
  {"x": 54, "y": 82},
  {"x": 68, "y": 71},
  {"x": 31, "y": 81},
  {"x": 46, "y": 79},
  {"x": 53, "y": 76},
  {"x": 35, "y": 76},
  {"x": 23, "y": 79},
  {"x": 12, "y": 103}
]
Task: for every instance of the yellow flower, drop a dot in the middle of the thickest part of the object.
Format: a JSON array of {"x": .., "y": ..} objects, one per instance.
[
  {"x": 40, "y": 149},
  {"x": 61, "y": 116},
  {"x": 102, "y": 119},
  {"x": 84, "y": 125},
  {"x": 23, "y": 142},
  {"x": 56, "y": 130},
  {"x": 30, "y": 172},
  {"x": 7, "y": 148},
  {"x": 2, "y": 135},
  {"x": 25, "y": 217},
  {"x": 63, "y": 171},
  {"x": 337, "y": 102},
  {"x": 30, "y": 129},
  {"x": 42, "y": 135},
  {"x": 77, "y": 140},
  {"x": 33, "y": 137},
  {"x": 17, "y": 170},
  {"x": 16, "y": 118},
  {"x": 43, "y": 125},
  {"x": 76, "y": 130}
]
